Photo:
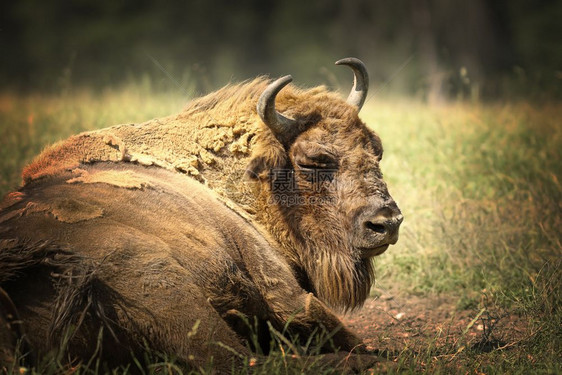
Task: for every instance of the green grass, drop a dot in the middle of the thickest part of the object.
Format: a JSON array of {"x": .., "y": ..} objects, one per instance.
[
  {"x": 479, "y": 186},
  {"x": 480, "y": 190},
  {"x": 481, "y": 194}
]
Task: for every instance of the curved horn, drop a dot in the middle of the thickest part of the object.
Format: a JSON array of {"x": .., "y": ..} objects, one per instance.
[
  {"x": 358, "y": 93},
  {"x": 280, "y": 125}
]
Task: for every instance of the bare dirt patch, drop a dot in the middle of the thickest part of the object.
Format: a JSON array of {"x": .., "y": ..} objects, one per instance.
[{"x": 392, "y": 324}]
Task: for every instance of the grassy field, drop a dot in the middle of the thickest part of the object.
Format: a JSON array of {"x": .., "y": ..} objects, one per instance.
[
  {"x": 479, "y": 186},
  {"x": 480, "y": 190}
]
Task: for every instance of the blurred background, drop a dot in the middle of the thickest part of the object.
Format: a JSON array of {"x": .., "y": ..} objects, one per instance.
[
  {"x": 433, "y": 49},
  {"x": 465, "y": 95}
]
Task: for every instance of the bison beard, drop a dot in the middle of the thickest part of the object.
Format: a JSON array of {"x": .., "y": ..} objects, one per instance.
[
  {"x": 341, "y": 280},
  {"x": 115, "y": 230},
  {"x": 331, "y": 269}
]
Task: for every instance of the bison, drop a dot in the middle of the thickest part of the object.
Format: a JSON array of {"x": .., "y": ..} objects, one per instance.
[{"x": 254, "y": 209}]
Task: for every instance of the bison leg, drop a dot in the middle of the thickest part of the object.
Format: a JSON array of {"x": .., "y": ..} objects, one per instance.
[
  {"x": 315, "y": 314},
  {"x": 311, "y": 314},
  {"x": 318, "y": 313},
  {"x": 177, "y": 321},
  {"x": 173, "y": 315}
]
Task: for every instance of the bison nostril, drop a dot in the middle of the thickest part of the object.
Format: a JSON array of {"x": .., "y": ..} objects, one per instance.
[{"x": 379, "y": 228}]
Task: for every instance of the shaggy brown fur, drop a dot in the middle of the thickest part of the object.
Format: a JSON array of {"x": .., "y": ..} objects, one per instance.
[
  {"x": 167, "y": 264},
  {"x": 125, "y": 210},
  {"x": 219, "y": 137}
]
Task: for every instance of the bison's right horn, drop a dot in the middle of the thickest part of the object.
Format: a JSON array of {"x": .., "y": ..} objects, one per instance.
[
  {"x": 358, "y": 93},
  {"x": 281, "y": 126}
]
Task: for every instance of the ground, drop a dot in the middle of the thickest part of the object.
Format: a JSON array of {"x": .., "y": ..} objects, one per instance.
[{"x": 436, "y": 326}]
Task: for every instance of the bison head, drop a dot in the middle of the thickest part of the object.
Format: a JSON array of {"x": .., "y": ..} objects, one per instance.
[{"x": 322, "y": 190}]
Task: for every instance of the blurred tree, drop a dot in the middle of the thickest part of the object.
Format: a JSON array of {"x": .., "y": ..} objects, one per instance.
[
  {"x": 496, "y": 47},
  {"x": 427, "y": 51}
]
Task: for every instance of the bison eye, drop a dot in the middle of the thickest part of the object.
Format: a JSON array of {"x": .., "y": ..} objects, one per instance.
[{"x": 319, "y": 161}]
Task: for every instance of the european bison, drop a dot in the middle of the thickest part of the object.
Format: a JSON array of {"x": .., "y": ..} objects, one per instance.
[{"x": 113, "y": 243}]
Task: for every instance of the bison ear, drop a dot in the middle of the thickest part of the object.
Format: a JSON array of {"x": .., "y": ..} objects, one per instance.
[
  {"x": 256, "y": 169},
  {"x": 264, "y": 160}
]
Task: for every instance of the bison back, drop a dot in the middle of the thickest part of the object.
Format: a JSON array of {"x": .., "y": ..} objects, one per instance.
[{"x": 150, "y": 256}]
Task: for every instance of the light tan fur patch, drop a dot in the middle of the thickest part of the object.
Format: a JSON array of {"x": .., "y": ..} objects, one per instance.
[
  {"x": 69, "y": 210},
  {"x": 123, "y": 179}
]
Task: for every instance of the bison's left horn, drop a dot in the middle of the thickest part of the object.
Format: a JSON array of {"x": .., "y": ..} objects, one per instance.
[
  {"x": 281, "y": 126},
  {"x": 358, "y": 93}
]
